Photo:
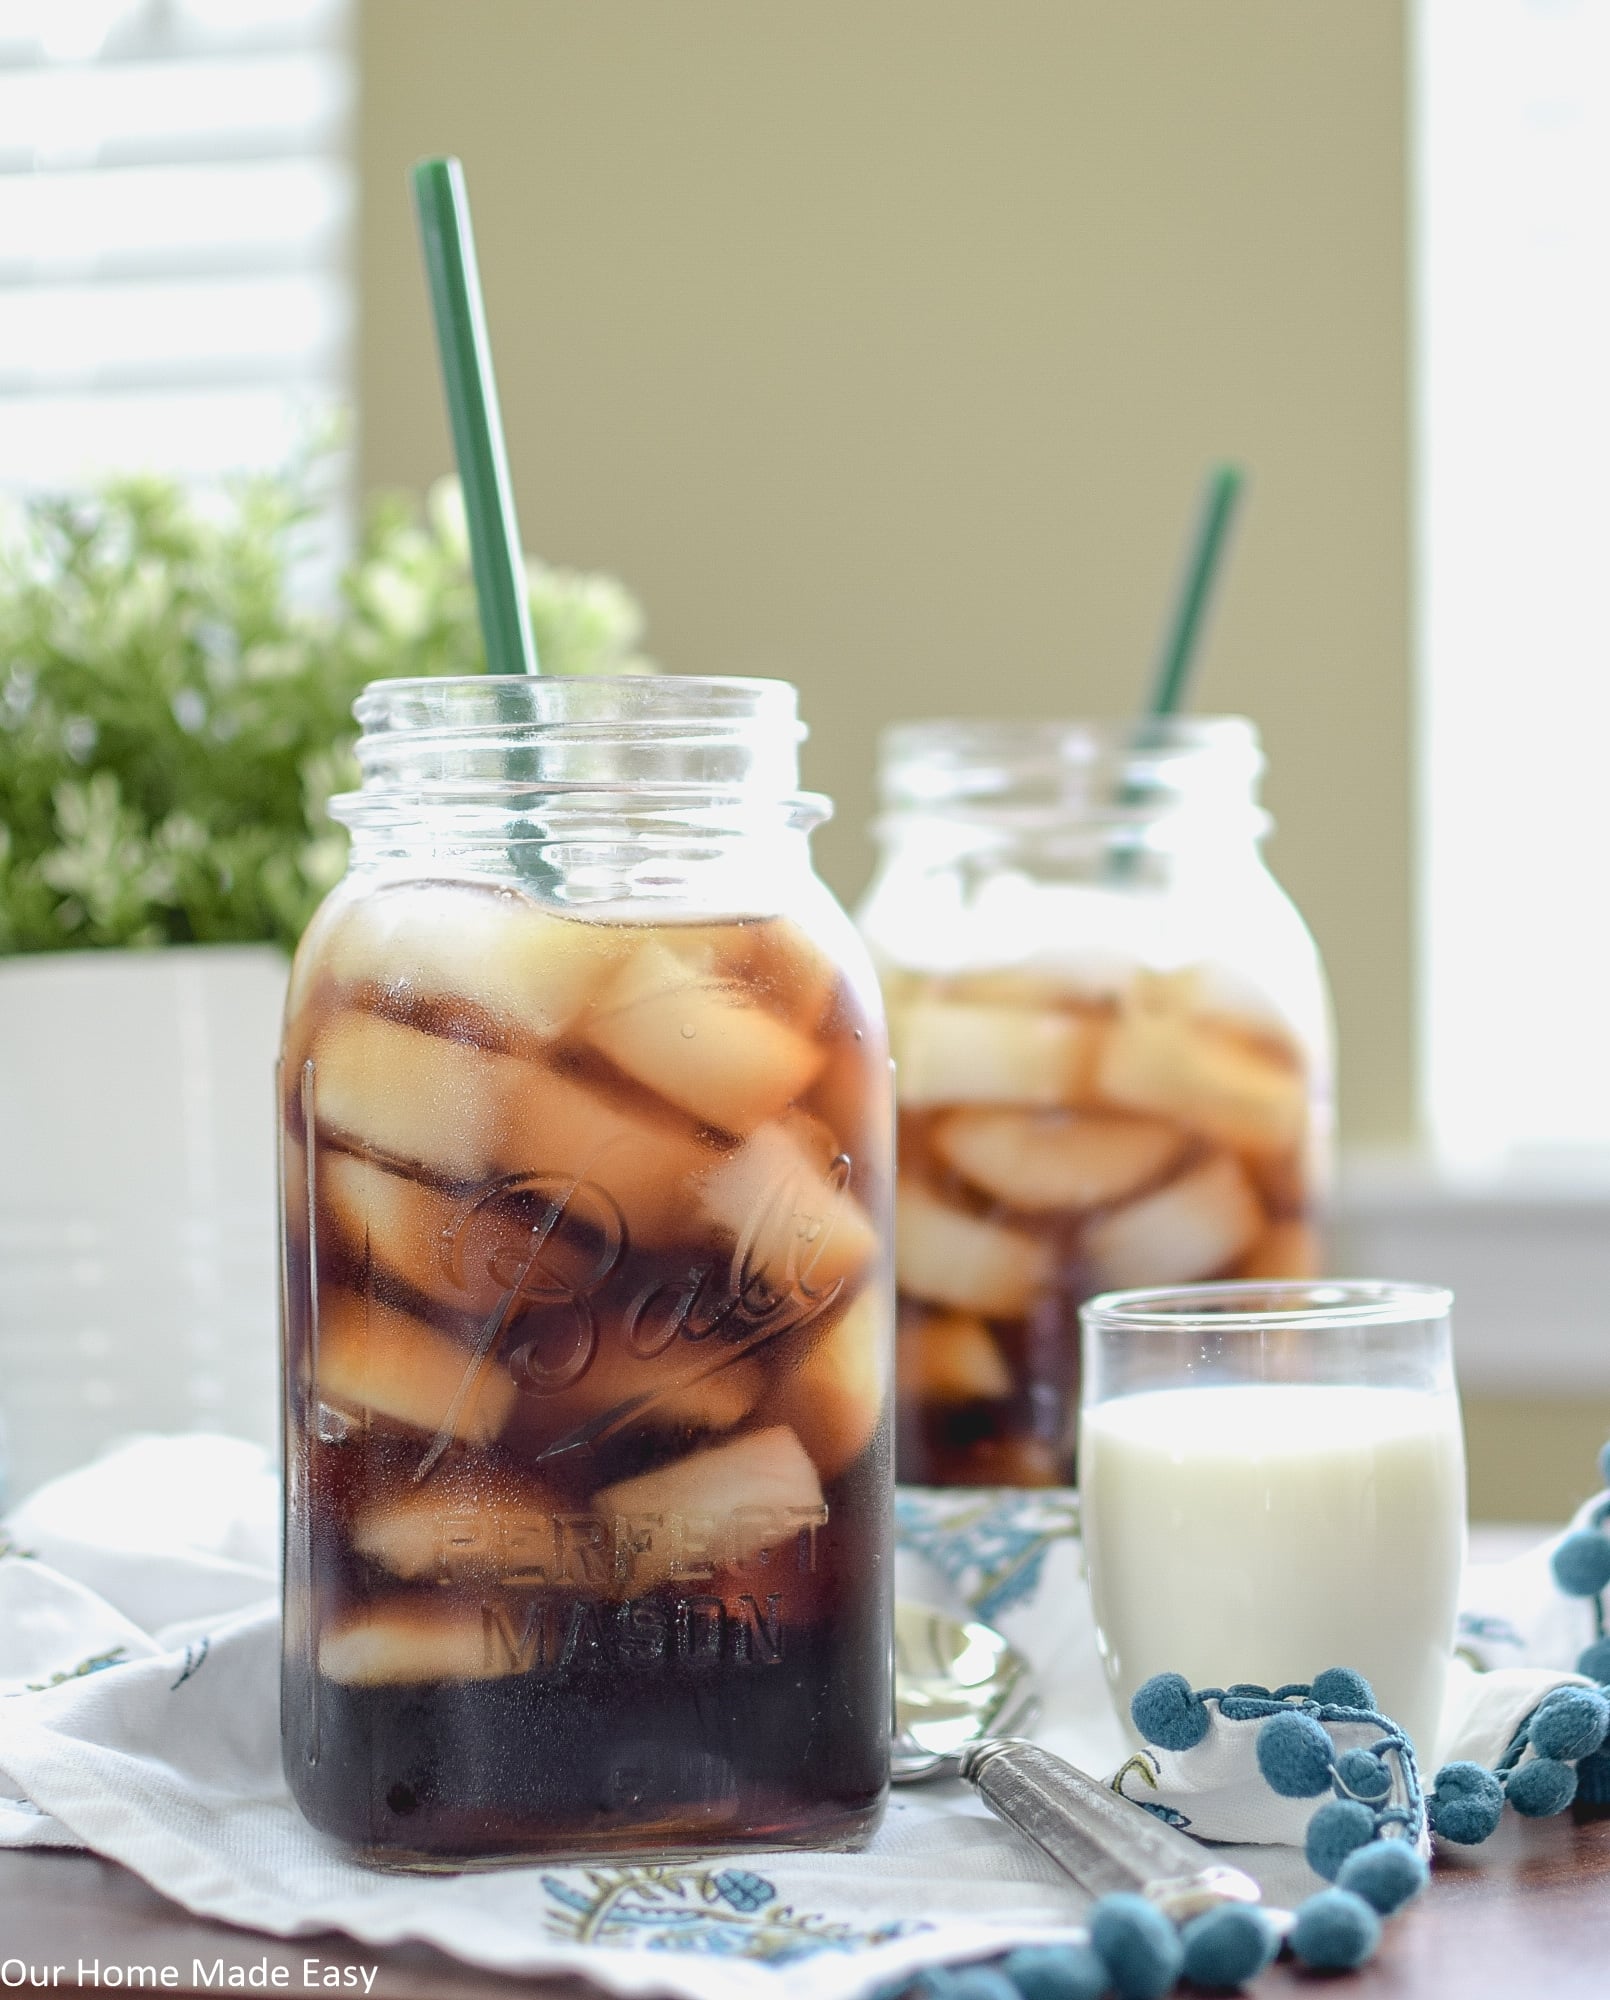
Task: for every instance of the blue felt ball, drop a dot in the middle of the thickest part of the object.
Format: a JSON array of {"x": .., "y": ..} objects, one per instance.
[
  {"x": 1138, "y": 1945},
  {"x": 1057, "y": 1972},
  {"x": 1364, "y": 1775},
  {"x": 1228, "y": 1946},
  {"x": 1333, "y": 1832},
  {"x": 1572, "y": 1723},
  {"x": 967, "y": 1982},
  {"x": 1335, "y": 1931},
  {"x": 1386, "y": 1873},
  {"x": 1466, "y": 1804},
  {"x": 1341, "y": 1687},
  {"x": 1594, "y": 1660},
  {"x": 1593, "y": 1779},
  {"x": 1541, "y": 1787},
  {"x": 1167, "y": 1713},
  {"x": 1581, "y": 1563},
  {"x": 1295, "y": 1755},
  {"x": 1604, "y": 1465}
]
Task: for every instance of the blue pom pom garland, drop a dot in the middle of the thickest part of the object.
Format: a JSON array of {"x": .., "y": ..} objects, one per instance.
[
  {"x": 1581, "y": 1563},
  {"x": 1295, "y": 1755},
  {"x": 1167, "y": 1712},
  {"x": 1593, "y": 1779},
  {"x": 1594, "y": 1660},
  {"x": 1466, "y": 1804},
  {"x": 1540, "y": 1788},
  {"x": 1341, "y": 1687},
  {"x": 1138, "y": 1945},
  {"x": 1363, "y": 1774},
  {"x": 1057, "y": 1972},
  {"x": 1224, "y": 1948},
  {"x": 1571, "y": 1723},
  {"x": 1386, "y": 1873},
  {"x": 1334, "y": 1831},
  {"x": 1335, "y": 1931}
]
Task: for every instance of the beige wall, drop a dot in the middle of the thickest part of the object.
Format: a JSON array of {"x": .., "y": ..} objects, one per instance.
[{"x": 882, "y": 344}]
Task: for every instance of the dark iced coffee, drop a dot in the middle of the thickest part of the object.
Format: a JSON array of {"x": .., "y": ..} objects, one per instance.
[
  {"x": 1055, "y": 1144},
  {"x": 588, "y": 1353}
]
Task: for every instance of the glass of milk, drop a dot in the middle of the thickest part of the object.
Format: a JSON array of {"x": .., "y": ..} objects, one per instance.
[{"x": 1273, "y": 1482}]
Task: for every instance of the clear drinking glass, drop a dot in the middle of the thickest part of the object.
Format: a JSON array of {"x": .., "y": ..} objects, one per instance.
[{"x": 1273, "y": 1482}]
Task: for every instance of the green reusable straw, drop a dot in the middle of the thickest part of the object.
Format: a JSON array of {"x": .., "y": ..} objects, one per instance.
[
  {"x": 1178, "y": 657},
  {"x": 472, "y": 405},
  {"x": 1177, "y": 661}
]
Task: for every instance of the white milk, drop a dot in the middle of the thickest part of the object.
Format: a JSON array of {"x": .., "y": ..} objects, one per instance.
[{"x": 1263, "y": 1532}]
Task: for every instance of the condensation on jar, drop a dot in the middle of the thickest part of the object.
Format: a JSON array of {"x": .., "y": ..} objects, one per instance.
[
  {"x": 586, "y": 1139},
  {"x": 1113, "y": 1058}
]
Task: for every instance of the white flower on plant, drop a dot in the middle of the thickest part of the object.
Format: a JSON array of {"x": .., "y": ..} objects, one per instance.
[
  {"x": 401, "y": 603},
  {"x": 445, "y": 511}
]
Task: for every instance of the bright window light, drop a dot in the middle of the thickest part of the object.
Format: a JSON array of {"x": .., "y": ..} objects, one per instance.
[
  {"x": 175, "y": 207},
  {"x": 1513, "y": 124}
]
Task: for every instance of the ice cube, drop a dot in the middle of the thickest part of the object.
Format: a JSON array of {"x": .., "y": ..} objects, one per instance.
[
  {"x": 962, "y": 1052},
  {"x": 784, "y": 1197},
  {"x": 692, "y": 1386},
  {"x": 1015, "y": 986},
  {"x": 1038, "y": 1161},
  {"x": 833, "y": 1400},
  {"x": 1195, "y": 1226},
  {"x": 486, "y": 943},
  {"x": 473, "y": 1250},
  {"x": 558, "y": 1129},
  {"x": 409, "y": 1640},
  {"x": 795, "y": 976},
  {"x": 1285, "y": 1250},
  {"x": 702, "y": 1045},
  {"x": 854, "y": 1097},
  {"x": 717, "y": 1401},
  {"x": 414, "y": 1096},
  {"x": 1227, "y": 1084},
  {"x": 735, "y": 1500},
  {"x": 951, "y": 1258},
  {"x": 375, "y": 1359},
  {"x": 1290, "y": 1182},
  {"x": 454, "y": 1529},
  {"x": 951, "y": 1358},
  {"x": 466, "y": 1116}
]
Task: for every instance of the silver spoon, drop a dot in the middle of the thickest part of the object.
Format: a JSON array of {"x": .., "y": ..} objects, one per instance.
[
  {"x": 960, "y": 1691},
  {"x": 955, "y": 1684}
]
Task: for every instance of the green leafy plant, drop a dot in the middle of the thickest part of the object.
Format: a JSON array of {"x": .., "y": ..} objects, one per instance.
[{"x": 173, "y": 720}]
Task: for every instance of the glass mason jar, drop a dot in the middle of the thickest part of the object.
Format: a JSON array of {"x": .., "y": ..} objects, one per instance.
[
  {"x": 1112, "y": 1058},
  {"x": 586, "y": 1146}
]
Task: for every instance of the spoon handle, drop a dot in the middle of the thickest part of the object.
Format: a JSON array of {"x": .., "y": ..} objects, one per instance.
[{"x": 1104, "y": 1841}]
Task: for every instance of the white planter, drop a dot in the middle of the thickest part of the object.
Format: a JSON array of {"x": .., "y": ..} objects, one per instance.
[{"x": 137, "y": 1240}]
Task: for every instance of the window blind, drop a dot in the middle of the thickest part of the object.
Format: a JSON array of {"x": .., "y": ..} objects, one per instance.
[{"x": 175, "y": 205}]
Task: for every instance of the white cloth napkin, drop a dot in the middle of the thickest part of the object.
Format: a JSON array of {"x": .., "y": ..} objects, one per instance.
[{"x": 139, "y": 1650}]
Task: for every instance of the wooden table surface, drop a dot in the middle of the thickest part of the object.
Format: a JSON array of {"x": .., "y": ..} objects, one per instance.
[{"x": 1527, "y": 1914}]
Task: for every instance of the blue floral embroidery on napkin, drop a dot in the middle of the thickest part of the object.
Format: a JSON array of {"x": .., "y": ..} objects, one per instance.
[
  {"x": 990, "y": 1544},
  {"x": 726, "y": 1912},
  {"x": 97, "y": 1663},
  {"x": 1147, "y": 1769},
  {"x": 1489, "y": 1630}
]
